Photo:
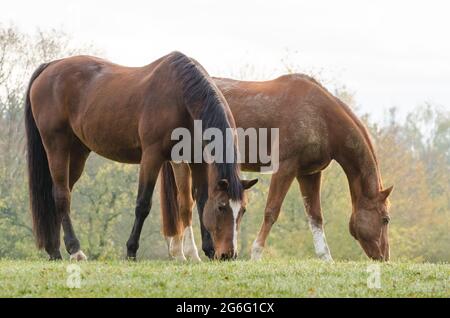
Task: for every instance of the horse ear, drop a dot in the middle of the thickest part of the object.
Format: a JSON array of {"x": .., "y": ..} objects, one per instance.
[
  {"x": 222, "y": 185},
  {"x": 385, "y": 193},
  {"x": 247, "y": 184}
]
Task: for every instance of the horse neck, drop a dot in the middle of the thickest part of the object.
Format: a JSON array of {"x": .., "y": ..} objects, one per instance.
[{"x": 358, "y": 160}]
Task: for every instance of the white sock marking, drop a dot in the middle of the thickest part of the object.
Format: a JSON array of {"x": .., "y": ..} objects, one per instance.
[
  {"x": 190, "y": 248},
  {"x": 176, "y": 249},
  {"x": 78, "y": 256},
  {"x": 257, "y": 250},
  {"x": 320, "y": 242}
]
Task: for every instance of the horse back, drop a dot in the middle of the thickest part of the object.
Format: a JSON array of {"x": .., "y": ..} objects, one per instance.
[
  {"x": 310, "y": 120},
  {"x": 112, "y": 109}
]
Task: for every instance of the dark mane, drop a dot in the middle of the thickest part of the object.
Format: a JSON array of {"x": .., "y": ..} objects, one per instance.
[{"x": 203, "y": 101}]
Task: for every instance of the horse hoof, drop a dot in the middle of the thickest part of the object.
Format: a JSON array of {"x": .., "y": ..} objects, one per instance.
[
  {"x": 326, "y": 258},
  {"x": 179, "y": 258},
  {"x": 56, "y": 256},
  {"x": 78, "y": 256},
  {"x": 256, "y": 258},
  {"x": 257, "y": 251},
  {"x": 195, "y": 258},
  {"x": 192, "y": 255}
]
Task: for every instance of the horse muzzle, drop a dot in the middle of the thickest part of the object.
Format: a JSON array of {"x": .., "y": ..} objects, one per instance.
[{"x": 227, "y": 256}]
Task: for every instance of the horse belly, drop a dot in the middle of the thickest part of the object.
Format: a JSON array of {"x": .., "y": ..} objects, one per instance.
[
  {"x": 123, "y": 155},
  {"x": 110, "y": 139}
]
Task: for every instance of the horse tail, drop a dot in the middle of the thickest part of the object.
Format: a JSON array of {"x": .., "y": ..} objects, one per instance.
[
  {"x": 170, "y": 210},
  {"x": 40, "y": 184}
]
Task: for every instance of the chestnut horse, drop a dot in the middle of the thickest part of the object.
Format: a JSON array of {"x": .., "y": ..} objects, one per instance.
[
  {"x": 127, "y": 114},
  {"x": 314, "y": 128}
]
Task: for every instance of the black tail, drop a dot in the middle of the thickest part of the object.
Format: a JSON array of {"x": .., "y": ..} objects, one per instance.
[
  {"x": 39, "y": 180},
  {"x": 170, "y": 210}
]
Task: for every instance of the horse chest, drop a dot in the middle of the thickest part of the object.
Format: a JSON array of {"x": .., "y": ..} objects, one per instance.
[{"x": 313, "y": 157}]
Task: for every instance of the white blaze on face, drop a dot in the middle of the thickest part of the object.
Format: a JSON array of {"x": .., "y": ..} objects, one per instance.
[{"x": 236, "y": 207}]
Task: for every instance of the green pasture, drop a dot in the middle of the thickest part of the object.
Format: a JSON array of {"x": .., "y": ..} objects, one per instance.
[{"x": 268, "y": 278}]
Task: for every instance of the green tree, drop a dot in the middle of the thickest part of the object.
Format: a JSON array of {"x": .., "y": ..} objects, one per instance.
[{"x": 20, "y": 54}]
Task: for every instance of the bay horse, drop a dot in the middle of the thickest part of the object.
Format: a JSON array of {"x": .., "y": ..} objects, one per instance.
[
  {"x": 127, "y": 114},
  {"x": 315, "y": 127}
]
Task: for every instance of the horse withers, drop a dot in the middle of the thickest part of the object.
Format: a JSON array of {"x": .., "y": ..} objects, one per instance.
[{"x": 127, "y": 114}]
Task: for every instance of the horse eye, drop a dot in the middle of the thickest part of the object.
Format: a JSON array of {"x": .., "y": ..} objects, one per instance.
[
  {"x": 244, "y": 210},
  {"x": 386, "y": 220},
  {"x": 222, "y": 208}
]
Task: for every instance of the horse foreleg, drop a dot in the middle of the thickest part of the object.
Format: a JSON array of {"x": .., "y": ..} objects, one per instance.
[
  {"x": 148, "y": 174},
  {"x": 58, "y": 153},
  {"x": 310, "y": 188},
  {"x": 201, "y": 196},
  {"x": 279, "y": 186},
  {"x": 207, "y": 242}
]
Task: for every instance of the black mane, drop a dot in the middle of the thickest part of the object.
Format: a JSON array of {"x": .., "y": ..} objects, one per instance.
[{"x": 202, "y": 99}]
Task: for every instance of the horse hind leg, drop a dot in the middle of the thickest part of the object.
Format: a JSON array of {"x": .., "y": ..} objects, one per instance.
[
  {"x": 183, "y": 179},
  {"x": 60, "y": 149},
  {"x": 183, "y": 244},
  {"x": 57, "y": 149},
  {"x": 78, "y": 156},
  {"x": 175, "y": 244},
  {"x": 310, "y": 188},
  {"x": 190, "y": 248}
]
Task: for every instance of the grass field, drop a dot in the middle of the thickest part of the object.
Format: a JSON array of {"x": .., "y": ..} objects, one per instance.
[{"x": 270, "y": 278}]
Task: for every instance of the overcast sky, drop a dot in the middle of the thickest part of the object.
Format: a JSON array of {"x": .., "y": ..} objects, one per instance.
[{"x": 390, "y": 53}]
